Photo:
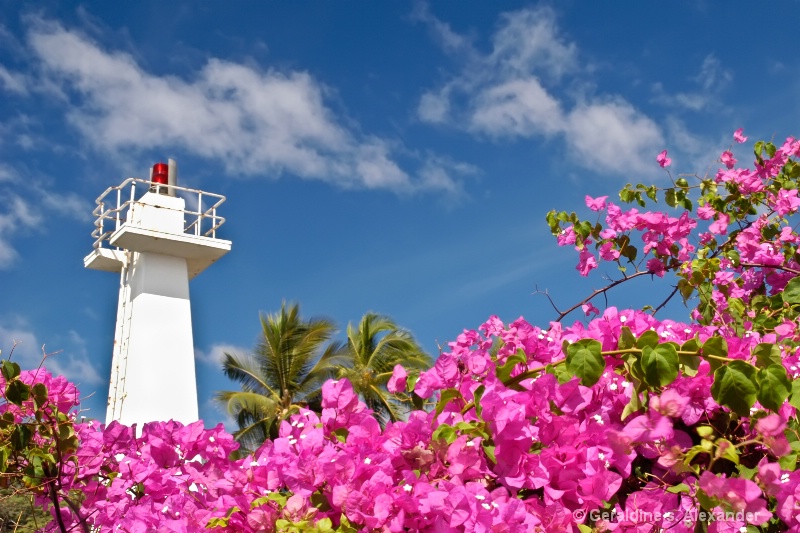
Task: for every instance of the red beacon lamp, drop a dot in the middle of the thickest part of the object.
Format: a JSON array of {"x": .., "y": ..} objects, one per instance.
[{"x": 164, "y": 178}]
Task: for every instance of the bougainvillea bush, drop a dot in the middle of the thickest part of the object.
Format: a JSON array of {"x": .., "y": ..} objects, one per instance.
[{"x": 624, "y": 422}]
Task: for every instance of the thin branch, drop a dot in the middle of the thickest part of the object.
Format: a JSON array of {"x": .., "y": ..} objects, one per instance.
[
  {"x": 603, "y": 291},
  {"x": 547, "y": 295},
  {"x": 668, "y": 298}
]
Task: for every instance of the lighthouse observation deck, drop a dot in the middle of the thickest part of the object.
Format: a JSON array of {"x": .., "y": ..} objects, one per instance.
[{"x": 142, "y": 216}]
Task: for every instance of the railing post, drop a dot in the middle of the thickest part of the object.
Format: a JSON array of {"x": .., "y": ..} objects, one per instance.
[
  {"x": 197, "y": 230},
  {"x": 101, "y": 217},
  {"x": 119, "y": 200}
]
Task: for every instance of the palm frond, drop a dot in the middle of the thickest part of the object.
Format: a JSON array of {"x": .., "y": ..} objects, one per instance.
[
  {"x": 285, "y": 371},
  {"x": 377, "y": 344},
  {"x": 246, "y": 372}
]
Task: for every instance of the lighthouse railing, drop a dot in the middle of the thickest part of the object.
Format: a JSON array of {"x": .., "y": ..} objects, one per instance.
[{"x": 115, "y": 203}]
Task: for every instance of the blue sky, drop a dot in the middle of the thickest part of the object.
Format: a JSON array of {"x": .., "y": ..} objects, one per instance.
[{"x": 389, "y": 156}]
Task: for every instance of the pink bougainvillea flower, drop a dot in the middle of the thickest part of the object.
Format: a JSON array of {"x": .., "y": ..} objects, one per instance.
[
  {"x": 727, "y": 159},
  {"x": 588, "y": 309},
  {"x": 739, "y": 495},
  {"x": 663, "y": 160},
  {"x": 720, "y": 225},
  {"x": 656, "y": 266},
  {"x": 787, "y": 202},
  {"x": 705, "y": 212},
  {"x": 607, "y": 252},
  {"x": 738, "y": 137},
  {"x": 397, "y": 383},
  {"x": 596, "y": 204},
  {"x": 587, "y": 262}
]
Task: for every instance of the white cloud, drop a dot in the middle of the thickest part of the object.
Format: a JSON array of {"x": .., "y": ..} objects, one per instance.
[
  {"x": 13, "y": 82},
  {"x": 23, "y": 210},
  {"x": 711, "y": 81},
  {"x": 254, "y": 122},
  {"x": 613, "y": 136},
  {"x": 16, "y": 216},
  {"x": 519, "y": 107},
  {"x": 70, "y": 358},
  {"x": 509, "y": 92},
  {"x": 6, "y": 173},
  {"x": 433, "y": 107},
  {"x": 698, "y": 155},
  {"x": 528, "y": 41},
  {"x": 214, "y": 355},
  {"x": 712, "y": 75},
  {"x": 450, "y": 40}
]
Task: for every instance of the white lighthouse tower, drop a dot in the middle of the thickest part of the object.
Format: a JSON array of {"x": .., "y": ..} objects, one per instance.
[{"x": 145, "y": 231}]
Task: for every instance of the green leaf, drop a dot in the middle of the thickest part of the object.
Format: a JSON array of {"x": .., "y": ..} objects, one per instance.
[
  {"x": 258, "y": 502},
  {"x": 477, "y": 395},
  {"x": 747, "y": 473},
  {"x": 704, "y": 431},
  {"x": 715, "y": 346},
  {"x": 706, "y": 501},
  {"x": 795, "y": 399},
  {"x": 669, "y": 197},
  {"x": 681, "y": 488},
  {"x": 560, "y": 372},
  {"x": 504, "y": 372},
  {"x": 691, "y": 346},
  {"x": 320, "y": 501},
  {"x": 648, "y": 338},
  {"x": 726, "y": 450},
  {"x": 626, "y": 194},
  {"x": 446, "y": 433},
  {"x": 767, "y": 354},
  {"x": 17, "y": 392},
  {"x": 686, "y": 289},
  {"x": 279, "y": 497},
  {"x": 626, "y": 338},
  {"x": 5, "y": 453},
  {"x": 791, "y": 293},
  {"x": 693, "y": 452},
  {"x": 660, "y": 365},
  {"x": 758, "y": 149},
  {"x": 788, "y": 462},
  {"x": 40, "y": 394},
  {"x": 9, "y": 370},
  {"x": 585, "y": 360},
  {"x": 633, "y": 406},
  {"x": 20, "y": 437},
  {"x": 689, "y": 363},
  {"x": 488, "y": 449},
  {"x": 735, "y": 386},
  {"x": 773, "y": 386},
  {"x": 341, "y": 434},
  {"x": 629, "y": 253},
  {"x": 447, "y": 396}
]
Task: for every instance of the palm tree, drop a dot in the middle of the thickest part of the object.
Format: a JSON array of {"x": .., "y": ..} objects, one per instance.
[
  {"x": 285, "y": 371},
  {"x": 374, "y": 348}
]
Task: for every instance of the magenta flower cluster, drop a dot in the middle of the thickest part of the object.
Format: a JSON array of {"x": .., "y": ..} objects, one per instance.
[{"x": 536, "y": 455}]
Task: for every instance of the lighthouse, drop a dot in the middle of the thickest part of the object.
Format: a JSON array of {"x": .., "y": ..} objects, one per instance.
[{"x": 157, "y": 236}]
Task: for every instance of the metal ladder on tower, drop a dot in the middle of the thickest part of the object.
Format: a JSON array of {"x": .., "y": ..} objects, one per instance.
[{"x": 119, "y": 360}]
